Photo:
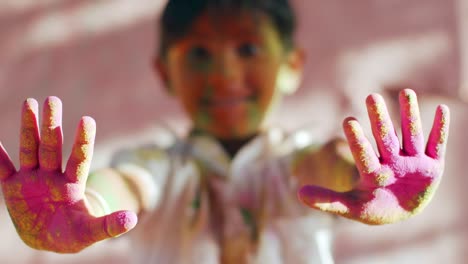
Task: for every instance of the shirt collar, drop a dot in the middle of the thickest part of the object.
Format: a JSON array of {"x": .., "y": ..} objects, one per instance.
[{"x": 209, "y": 152}]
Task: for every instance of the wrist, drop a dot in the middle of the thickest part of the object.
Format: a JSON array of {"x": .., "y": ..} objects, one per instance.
[{"x": 330, "y": 166}]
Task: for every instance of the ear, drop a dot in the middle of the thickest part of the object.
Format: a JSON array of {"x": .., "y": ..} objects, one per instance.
[
  {"x": 296, "y": 59},
  {"x": 160, "y": 68},
  {"x": 290, "y": 73}
]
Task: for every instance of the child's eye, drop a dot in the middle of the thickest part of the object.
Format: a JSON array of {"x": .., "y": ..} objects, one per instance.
[
  {"x": 200, "y": 53},
  {"x": 247, "y": 50}
]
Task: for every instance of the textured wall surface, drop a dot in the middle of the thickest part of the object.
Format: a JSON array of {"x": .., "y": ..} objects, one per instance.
[{"x": 96, "y": 55}]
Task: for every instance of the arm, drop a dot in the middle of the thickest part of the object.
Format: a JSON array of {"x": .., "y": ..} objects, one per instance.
[
  {"x": 330, "y": 166},
  {"x": 47, "y": 205},
  {"x": 401, "y": 180},
  {"x": 124, "y": 187},
  {"x": 108, "y": 190}
]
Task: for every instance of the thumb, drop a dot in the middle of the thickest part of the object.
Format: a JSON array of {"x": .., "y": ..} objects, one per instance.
[
  {"x": 6, "y": 165},
  {"x": 324, "y": 199},
  {"x": 112, "y": 225}
]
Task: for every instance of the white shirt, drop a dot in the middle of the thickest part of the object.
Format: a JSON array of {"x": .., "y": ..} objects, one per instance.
[{"x": 206, "y": 208}]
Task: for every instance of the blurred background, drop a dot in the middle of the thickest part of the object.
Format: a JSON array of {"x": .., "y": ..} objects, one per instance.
[{"x": 96, "y": 56}]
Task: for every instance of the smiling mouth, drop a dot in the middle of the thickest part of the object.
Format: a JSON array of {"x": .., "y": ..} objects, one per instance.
[{"x": 227, "y": 102}]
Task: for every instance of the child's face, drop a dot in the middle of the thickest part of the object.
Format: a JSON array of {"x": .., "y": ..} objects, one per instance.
[{"x": 224, "y": 72}]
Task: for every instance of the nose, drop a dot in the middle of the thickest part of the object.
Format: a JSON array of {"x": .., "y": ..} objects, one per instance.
[{"x": 228, "y": 76}]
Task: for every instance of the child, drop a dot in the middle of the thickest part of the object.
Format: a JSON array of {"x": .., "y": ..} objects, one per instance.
[{"x": 226, "y": 193}]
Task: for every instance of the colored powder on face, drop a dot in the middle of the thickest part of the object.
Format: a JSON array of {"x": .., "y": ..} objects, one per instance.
[
  {"x": 203, "y": 119},
  {"x": 200, "y": 65},
  {"x": 254, "y": 115},
  {"x": 207, "y": 95}
]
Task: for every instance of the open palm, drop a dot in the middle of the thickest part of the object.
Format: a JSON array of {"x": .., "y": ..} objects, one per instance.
[
  {"x": 48, "y": 205},
  {"x": 402, "y": 179}
]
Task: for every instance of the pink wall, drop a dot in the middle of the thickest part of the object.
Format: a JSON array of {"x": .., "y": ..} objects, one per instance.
[{"x": 95, "y": 55}]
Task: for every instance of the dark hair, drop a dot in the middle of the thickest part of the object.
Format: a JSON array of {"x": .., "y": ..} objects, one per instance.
[{"x": 178, "y": 16}]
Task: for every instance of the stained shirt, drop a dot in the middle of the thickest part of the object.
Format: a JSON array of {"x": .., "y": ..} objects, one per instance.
[{"x": 204, "y": 207}]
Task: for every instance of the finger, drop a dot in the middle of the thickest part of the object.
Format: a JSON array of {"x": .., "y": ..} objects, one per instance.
[
  {"x": 437, "y": 141},
  {"x": 324, "y": 200},
  {"x": 6, "y": 165},
  {"x": 364, "y": 156},
  {"x": 382, "y": 127},
  {"x": 82, "y": 151},
  {"x": 411, "y": 128},
  {"x": 29, "y": 142},
  {"x": 108, "y": 226},
  {"x": 50, "y": 147}
]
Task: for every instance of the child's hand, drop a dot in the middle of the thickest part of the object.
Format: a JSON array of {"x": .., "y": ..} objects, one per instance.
[
  {"x": 402, "y": 179},
  {"x": 48, "y": 206}
]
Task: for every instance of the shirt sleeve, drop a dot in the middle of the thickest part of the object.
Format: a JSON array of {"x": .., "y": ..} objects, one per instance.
[{"x": 146, "y": 169}]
